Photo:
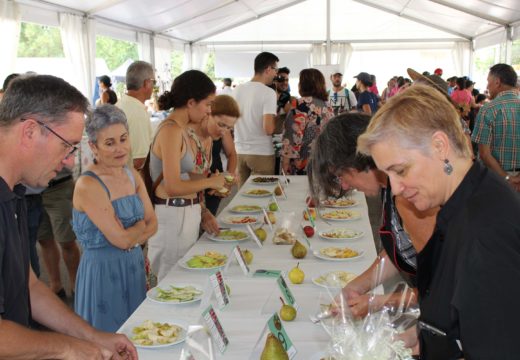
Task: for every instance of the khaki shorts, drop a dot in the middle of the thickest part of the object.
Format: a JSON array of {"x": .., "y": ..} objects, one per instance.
[
  {"x": 57, "y": 217},
  {"x": 254, "y": 165}
]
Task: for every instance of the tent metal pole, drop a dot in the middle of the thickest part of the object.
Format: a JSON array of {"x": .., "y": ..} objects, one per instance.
[{"x": 509, "y": 45}]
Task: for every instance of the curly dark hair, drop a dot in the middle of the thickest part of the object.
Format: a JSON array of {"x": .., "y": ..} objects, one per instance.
[{"x": 191, "y": 84}]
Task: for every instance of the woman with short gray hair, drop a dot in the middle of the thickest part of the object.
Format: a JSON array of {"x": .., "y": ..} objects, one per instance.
[{"x": 112, "y": 217}]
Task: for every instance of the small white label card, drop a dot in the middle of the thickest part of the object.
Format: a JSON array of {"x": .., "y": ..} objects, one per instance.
[
  {"x": 241, "y": 261},
  {"x": 286, "y": 292},
  {"x": 253, "y": 236},
  {"x": 219, "y": 288},
  {"x": 282, "y": 189},
  {"x": 267, "y": 219},
  {"x": 285, "y": 179},
  {"x": 276, "y": 327},
  {"x": 218, "y": 335},
  {"x": 276, "y": 201}
]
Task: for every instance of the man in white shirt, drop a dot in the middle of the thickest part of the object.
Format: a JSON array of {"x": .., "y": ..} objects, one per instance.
[
  {"x": 340, "y": 98},
  {"x": 140, "y": 81},
  {"x": 253, "y": 131}
]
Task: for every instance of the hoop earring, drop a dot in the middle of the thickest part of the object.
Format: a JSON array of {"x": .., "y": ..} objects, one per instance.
[{"x": 448, "y": 168}]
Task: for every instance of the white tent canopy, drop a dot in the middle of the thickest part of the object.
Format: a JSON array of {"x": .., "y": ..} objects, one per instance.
[{"x": 301, "y": 32}]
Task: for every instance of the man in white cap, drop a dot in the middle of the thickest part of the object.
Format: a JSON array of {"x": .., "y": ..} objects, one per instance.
[{"x": 340, "y": 98}]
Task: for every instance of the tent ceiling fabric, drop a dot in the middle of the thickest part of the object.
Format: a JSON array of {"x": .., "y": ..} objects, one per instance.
[{"x": 299, "y": 20}]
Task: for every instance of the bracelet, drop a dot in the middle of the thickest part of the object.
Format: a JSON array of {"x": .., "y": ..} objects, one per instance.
[{"x": 507, "y": 178}]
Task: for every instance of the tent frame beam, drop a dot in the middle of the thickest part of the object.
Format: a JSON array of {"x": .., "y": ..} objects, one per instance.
[
  {"x": 246, "y": 21},
  {"x": 470, "y": 12},
  {"x": 309, "y": 42},
  {"x": 412, "y": 18},
  {"x": 199, "y": 14}
]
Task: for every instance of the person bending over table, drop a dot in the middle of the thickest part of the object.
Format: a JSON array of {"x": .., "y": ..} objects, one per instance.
[
  {"x": 112, "y": 217},
  {"x": 41, "y": 123},
  {"x": 468, "y": 272},
  {"x": 176, "y": 154},
  {"x": 337, "y": 168}
]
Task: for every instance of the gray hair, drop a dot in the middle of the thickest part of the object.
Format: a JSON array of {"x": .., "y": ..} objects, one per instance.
[
  {"x": 104, "y": 116},
  {"x": 137, "y": 73}
]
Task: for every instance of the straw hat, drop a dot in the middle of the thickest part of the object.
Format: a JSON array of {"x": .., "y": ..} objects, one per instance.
[{"x": 432, "y": 79}]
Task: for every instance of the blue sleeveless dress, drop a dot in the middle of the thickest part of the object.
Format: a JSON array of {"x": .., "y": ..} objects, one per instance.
[{"x": 111, "y": 282}]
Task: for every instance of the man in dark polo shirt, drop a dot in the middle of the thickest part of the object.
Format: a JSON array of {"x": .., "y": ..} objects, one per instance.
[{"x": 41, "y": 121}]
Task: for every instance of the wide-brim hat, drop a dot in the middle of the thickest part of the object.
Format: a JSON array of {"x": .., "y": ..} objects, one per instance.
[{"x": 432, "y": 79}]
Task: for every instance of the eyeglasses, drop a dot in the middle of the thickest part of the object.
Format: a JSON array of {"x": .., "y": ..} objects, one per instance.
[
  {"x": 65, "y": 142},
  {"x": 224, "y": 126}
]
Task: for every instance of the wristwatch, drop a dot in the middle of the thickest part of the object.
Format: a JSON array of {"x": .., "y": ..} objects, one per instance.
[{"x": 507, "y": 178}]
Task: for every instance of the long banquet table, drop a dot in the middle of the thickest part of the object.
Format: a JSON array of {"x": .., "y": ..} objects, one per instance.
[{"x": 253, "y": 299}]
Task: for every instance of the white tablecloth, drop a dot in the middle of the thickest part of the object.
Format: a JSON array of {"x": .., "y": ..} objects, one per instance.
[{"x": 254, "y": 300}]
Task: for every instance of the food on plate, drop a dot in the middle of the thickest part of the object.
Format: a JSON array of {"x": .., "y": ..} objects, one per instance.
[
  {"x": 336, "y": 279},
  {"x": 339, "y": 253},
  {"x": 278, "y": 190},
  {"x": 283, "y": 236},
  {"x": 241, "y": 220},
  {"x": 272, "y": 217},
  {"x": 210, "y": 259},
  {"x": 273, "y": 349},
  {"x": 339, "y": 202},
  {"x": 273, "y": 206},
  {"x": 264, "y": 179},
  {"x": 341, "y": 234},
  {"x": 258, "y": 192},
  {"x": 231, "y": 235},
  {"x": 312, "y": 211},
  {"x": 177, "y": 294},
  {"x": 298, "y": 251},
  {"x": 246, "y": 208},
  {"x": 261, "y": 234},
  {"x": 296, "y": 275},
  {"x": 308, "y": 230},
  {"x": 287, "y": 312},
  {"x": 155, "y": 333},
  {"x": 340, "y": 215}
]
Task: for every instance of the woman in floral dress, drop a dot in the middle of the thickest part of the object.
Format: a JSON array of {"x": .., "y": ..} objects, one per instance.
[{"x": 303, "y": 123}]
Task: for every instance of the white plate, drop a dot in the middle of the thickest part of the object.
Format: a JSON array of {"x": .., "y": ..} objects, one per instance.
[
  {"x": 127, "y": 330},
  {"x": 325, "y": 257},
  {"x": 316, "y": 280},
  {"x": 267, "y": 194},
  {"x": 183, "y": 264},
  {"x": 339, "y": 206},
  {"x": 265, "y": 183},
  {"x": 152, "y": 294},
  {"x": 229, "y": 220},
  {"x": 351, "y": 234},
  {"x": 235, "y": 209},
  {"x": 354, "y": 215},
  {"x": 217, "y": 238}
]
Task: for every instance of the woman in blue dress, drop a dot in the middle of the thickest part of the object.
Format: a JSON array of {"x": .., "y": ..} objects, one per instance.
[{"x": 112, "y": 217}]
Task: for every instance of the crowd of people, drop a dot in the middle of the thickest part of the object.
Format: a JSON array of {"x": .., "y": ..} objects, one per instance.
[{"x": 444, "y": 158}]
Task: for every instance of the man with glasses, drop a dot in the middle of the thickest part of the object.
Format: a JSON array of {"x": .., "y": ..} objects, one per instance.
[
  {"x": 340, "y": 98},
  {"x": 140, "y": 82},
  {"x": 253, "y": 131},
  {"x": 41, "y": 123}
]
